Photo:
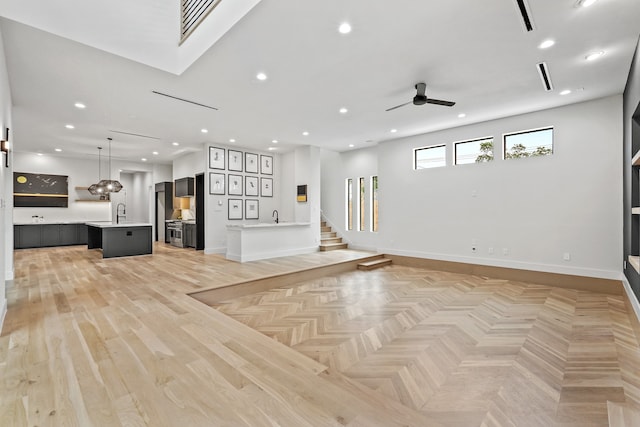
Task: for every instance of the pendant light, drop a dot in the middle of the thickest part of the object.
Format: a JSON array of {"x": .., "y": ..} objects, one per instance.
[
  {"x": 110, "y": 185},
  {"x": 98, "y": 189}
]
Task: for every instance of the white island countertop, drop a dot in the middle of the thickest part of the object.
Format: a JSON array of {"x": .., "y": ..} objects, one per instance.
[
  {"x": 110, "y": 224},
  {"x": 267, "y": 225}
]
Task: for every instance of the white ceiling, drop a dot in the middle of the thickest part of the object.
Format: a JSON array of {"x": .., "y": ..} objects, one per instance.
[{"x": 475, "y": 53}]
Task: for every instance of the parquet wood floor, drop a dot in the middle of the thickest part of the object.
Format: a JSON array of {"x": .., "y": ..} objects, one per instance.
[
  {"x": 463, "y": 350},
  {"x": 118, "y": 342}
]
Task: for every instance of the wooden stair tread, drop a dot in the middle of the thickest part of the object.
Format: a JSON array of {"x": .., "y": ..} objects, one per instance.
[
  {"x": 376, "y": 263},
  {"x": 331, "y": 240},
  {"x": 332, "y": 246}
]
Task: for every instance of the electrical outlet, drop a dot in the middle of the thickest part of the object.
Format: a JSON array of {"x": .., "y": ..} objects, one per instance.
[
  {"x": 490, "y": 251},
  {"x": 505, "y": 251},
  {"x": 566, "y": 256}
]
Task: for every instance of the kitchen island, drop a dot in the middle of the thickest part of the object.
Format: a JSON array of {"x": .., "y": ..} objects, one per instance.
[
  {"x": 252, "y": 242},
  {"x": 117, "y": 240}
]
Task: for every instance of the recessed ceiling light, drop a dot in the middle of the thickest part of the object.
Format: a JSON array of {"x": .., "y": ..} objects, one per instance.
[
  {"x": 275, "y": 141},
  {"x": 343, "y": 110},
  {"x": 204, "y": 130},
  {"x": 344, "y": 28},
  {"x": 546, "y": 44},
  {"x": 393, "y": 130},
  {"x": 175, "y": 143},
  {"x": 232, "y": 140},
  {"x": 143, "y": 159},
  {"x": 272, "y": 148},
  {"x": 305, "y": 133},
  {"x": 155, "y": 153},
  {"x": 462, "y": 115},
  {"x": 70, "y": 126},
  {"x": 80, "y": 105},
  {"x": 565, "y": 92},
  {"x": 586, "y": 3},
  {"x": 350, "y": 145},
  {"x": 39, "y": 154},
  {"x": 594, "y": 55},
  {"x": 58, "y": 149},
  {"x": 261, "y": 76}
]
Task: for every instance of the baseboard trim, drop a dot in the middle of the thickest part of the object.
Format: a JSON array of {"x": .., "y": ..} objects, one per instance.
[
  {"x": 3, "y": 312},
  {"x": 509, "y": 263},
  {"x": 213, "y": 251},
  {"x": 561, "y": 280},
  {"x": 631, "y": 297}
]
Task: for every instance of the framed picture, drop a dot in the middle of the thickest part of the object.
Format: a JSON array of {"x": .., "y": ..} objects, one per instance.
[
  {"x": 251, "y": 209},
  {"x": 235, "y": 209},
  {"x": 250, "y": 185},
  {"x": 216, "y": 158},
  {"x": 216, "y": 183},
  {"x": 250, "y": 163},
  {"x": 235, "y": 160},
  {"x": 302, "y": 193},
  {"x": 266, "y": 187},
  {"x": 266, "y": 165},
  {"x": 235, "y": 185}
]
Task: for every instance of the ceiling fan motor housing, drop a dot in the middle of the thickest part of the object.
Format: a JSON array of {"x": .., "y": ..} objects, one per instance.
[{"x": 419, "y": 99}]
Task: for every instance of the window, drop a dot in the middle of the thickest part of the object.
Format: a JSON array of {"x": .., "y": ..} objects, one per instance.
[
  {"x": 374, "y": 204},
  {"x": 430, "y": 157},
  {"x": 530, "y": 143},
  {"x": 361, "y": 202},
  {"x": 349, "y": 213},
  {"x": 474, "y": 151}
]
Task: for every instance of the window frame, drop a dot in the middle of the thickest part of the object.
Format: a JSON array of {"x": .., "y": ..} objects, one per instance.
[
  {"x": 523, "y": 132},
  {"x": 466, "y": 141},
  {"x": 348, "y": 204},
  {"x": 362, "y": 201},
  {"x": 373, "y": 210},
  {"x": 415, "y": 154}
]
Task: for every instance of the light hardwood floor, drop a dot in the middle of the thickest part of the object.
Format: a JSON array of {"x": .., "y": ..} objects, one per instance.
[{"x": 100, "y": 342}]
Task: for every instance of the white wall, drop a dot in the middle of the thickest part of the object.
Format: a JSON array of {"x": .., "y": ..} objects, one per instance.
[
  {"x": 537, "y": 209},
  {"x": 216, "y": 206},
  {"x": 135, "y": 196},
  {"x": 83, "y": 174},
  {"x": 6, "y": 184},
  {"x": 336, "y": 169}
]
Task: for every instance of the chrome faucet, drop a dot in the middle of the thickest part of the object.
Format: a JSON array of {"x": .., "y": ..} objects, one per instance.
[
  {"x": 124, "y": 211},
  {"x": 275, "y": 212}
]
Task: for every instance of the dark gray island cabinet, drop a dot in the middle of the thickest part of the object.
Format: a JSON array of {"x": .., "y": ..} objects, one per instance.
[{"x": 117, "y": 240}]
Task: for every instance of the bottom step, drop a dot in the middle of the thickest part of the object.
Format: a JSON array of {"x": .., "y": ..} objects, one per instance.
[
  {"x": 332, "y": 246},
  {"x": 376, "y": 263}
]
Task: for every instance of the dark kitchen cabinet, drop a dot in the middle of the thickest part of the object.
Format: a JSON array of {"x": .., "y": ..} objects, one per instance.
[
  {"x": 184, "y": 187},
  {"x": 47, "y": 235},
  {"x": 189, "y": 235},
  {"x": 27, "y": 236},
  {"x": 50, "y": 235}
]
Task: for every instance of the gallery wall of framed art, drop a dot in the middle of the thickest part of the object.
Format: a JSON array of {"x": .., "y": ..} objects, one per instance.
[{"x": 237, "y": 174}]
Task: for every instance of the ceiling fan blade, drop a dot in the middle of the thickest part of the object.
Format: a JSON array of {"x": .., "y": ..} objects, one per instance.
[
  {"x": 440, "y": 102},
  {"x": 398, "y": 106}
]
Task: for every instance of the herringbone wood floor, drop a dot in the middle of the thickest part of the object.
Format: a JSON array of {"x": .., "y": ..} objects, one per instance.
[
  {"x": 465, "y": 351},
  {"x": 93, "y": 342}
]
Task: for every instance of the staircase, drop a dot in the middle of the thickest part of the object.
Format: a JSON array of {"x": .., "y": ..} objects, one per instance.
[{"x": 329, "y": 240}]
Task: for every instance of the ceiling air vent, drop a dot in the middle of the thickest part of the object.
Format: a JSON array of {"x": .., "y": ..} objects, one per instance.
[
  {"x": 543, "y": 70},
  {"x": 183, "y": 100},
  {"x": 193, "y": 13},
  {"x": 523, "y": 7}
]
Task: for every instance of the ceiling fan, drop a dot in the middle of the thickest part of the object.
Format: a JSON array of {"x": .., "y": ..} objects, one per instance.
[{"x": 421, "y": 98}]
